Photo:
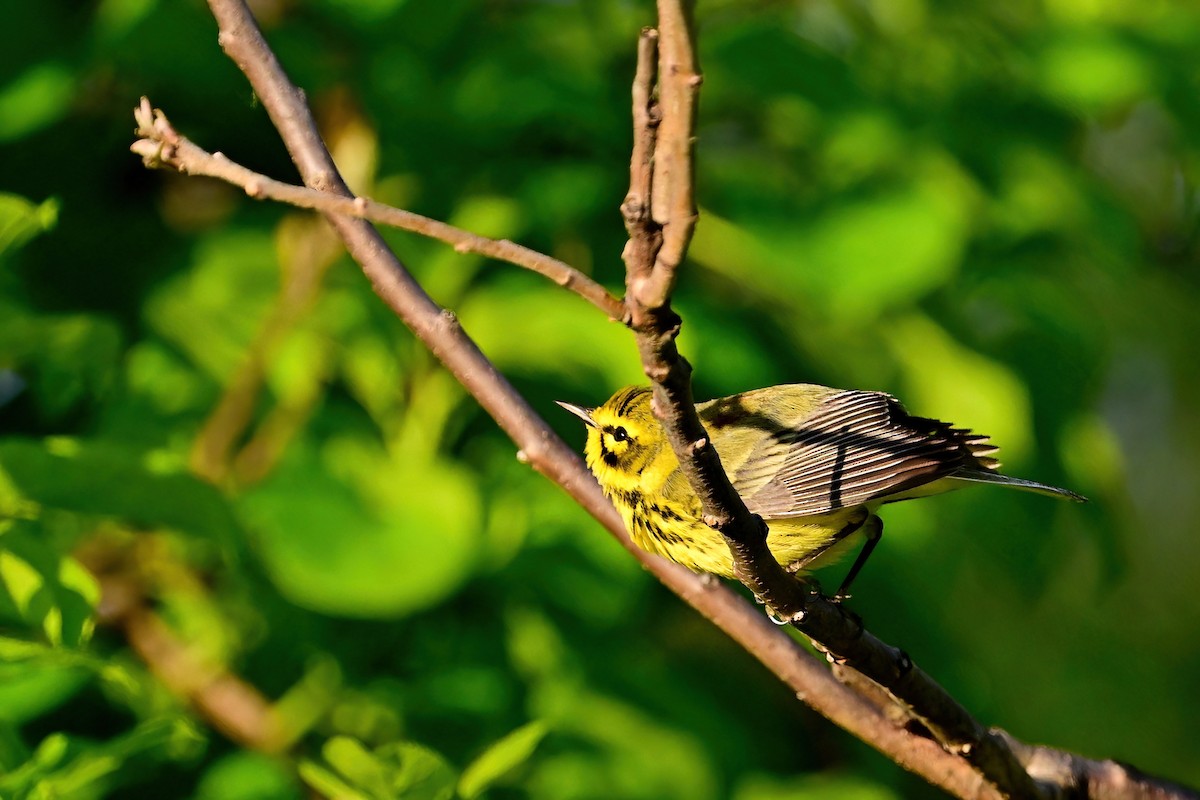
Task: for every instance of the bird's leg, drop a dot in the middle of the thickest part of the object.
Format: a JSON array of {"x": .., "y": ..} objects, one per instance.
[{"x": 873, "y": 529}]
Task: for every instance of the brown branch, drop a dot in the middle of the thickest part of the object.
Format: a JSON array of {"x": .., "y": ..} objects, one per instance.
[
  {"x": 439, "y": 330},
  {"x": 672, "y": 206},
  {"x": 161, "y": 145},
  {"x": 1097, "y": 780},
  {"x": 232, "y": 706},
  {"x": 652, "y": 262},
  {"x": 215, "y": 455}
]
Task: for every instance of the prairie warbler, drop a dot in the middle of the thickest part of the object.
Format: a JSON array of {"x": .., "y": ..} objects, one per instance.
[{"x": 815, "y": 463}]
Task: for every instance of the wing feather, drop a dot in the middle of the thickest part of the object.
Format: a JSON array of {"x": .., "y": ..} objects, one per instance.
[{"x": 854, "y": 448}]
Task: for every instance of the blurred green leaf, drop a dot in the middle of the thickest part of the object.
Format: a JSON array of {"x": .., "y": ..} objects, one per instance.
[
  {"x": 36, "y": 98},
  {"x": 63, "y": 358},
  {"x": 918, "y": 234},
  {"x": 1094, "y": 72},
  {"x": 248, "y": 776},
  {"x": 349, "y": 531},
  {"x": 945, "y": 380},
  {"x": 416, "y": 772},
  {"x": 640, "y": 757},
  {"x": 44, "y": 590},
  {"x": 505, "y": 755},
  {"x": 1092, "y": 454},
  {"x": 108, "y": 480},
  {"x": 446, "y": 274},
  {"x": 28, "y": 691},
  {"x": 397, "y": 771},
  {"x": 49, "y": 753},
  {"x": 358, "y": 766},
  {"x": 20, "y": 220},
  {"x": 161, "y": 376},
  {"x": 213, "y": 311},
  {"x": 20, "y": 580},
  {"x": 63, "y": 768},
  {"x": 329, "y": 784},
  {"x": 116, "y": 18},
  {"x": 547, "y": 335}
]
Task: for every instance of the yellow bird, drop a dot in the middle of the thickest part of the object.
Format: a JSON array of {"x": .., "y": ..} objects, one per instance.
[{"x": 815, "y": 463}]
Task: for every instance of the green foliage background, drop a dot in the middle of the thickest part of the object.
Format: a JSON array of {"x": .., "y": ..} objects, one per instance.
[{"x": 989, "y": 209}]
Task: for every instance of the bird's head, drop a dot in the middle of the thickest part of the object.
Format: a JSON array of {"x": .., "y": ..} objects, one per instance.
[{"x": 623, "y": 437}]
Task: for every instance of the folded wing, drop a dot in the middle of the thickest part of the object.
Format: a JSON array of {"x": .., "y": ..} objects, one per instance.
[{"x": 854, "y": 448}]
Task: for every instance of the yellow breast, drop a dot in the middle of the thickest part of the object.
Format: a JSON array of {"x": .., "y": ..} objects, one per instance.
[{"x": 674, "y": 531}]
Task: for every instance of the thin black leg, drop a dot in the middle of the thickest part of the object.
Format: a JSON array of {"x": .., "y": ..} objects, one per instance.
[{"x": 873, "y": 529}]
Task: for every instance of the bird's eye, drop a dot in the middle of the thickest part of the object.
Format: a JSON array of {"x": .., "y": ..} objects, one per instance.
[{"x": 620, "y": 435}]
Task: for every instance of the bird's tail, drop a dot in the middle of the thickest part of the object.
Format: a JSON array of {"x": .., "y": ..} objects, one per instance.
[{"x": 986, "y": 476}]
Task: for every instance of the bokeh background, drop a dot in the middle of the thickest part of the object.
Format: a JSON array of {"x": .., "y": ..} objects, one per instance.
[{"x": 988, "y": 209}]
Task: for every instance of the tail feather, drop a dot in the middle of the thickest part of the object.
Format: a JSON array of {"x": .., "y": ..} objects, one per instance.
[{"x": 982, "y": 476}]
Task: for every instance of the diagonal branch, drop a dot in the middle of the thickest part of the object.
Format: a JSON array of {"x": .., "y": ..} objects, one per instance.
[
  {"x": 232, "y": 706},
  {"x": 161, "y": 145}
]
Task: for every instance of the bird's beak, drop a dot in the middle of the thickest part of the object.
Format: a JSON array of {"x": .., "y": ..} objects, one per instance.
[{"x": 583, "y": 413}]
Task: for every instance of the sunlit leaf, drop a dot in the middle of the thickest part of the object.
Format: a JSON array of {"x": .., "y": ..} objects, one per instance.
[
  {"x": 396, "y": 771},
  {"x": 20, "y": 220},
  {"x": 358, "y": 766},
  {"x": 945, "y": 380},
  {"x": 29, "y": 690},
  {"x": 1094, "y": 73},
  {"x": 328, "y": 783},
  {"x": 247, "y": 776},
  {"x": 548, "y": 333},
  {"x": 503, "y": 756},
  {"x": 213, "y": 311},
  {"x": 108, "y": 480},
  {"x": 43, "y": 589},
  {"x": 348, "y": 531},
  {"x": 38, "y": 97},
  {"x": 60, "y": 768},
  {"x": 416, "y": 772}
]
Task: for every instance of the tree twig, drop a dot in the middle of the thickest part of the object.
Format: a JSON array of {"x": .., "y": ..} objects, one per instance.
[{"x": 161, "y": 145}]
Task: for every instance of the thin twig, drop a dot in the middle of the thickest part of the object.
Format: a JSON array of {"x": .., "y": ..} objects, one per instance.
[
  {"x": 636, "y": 207},
  {"x": 162, "y": 146},
  {"x": 673, "y": 206},
  {"x": 220, "y": 450}
]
